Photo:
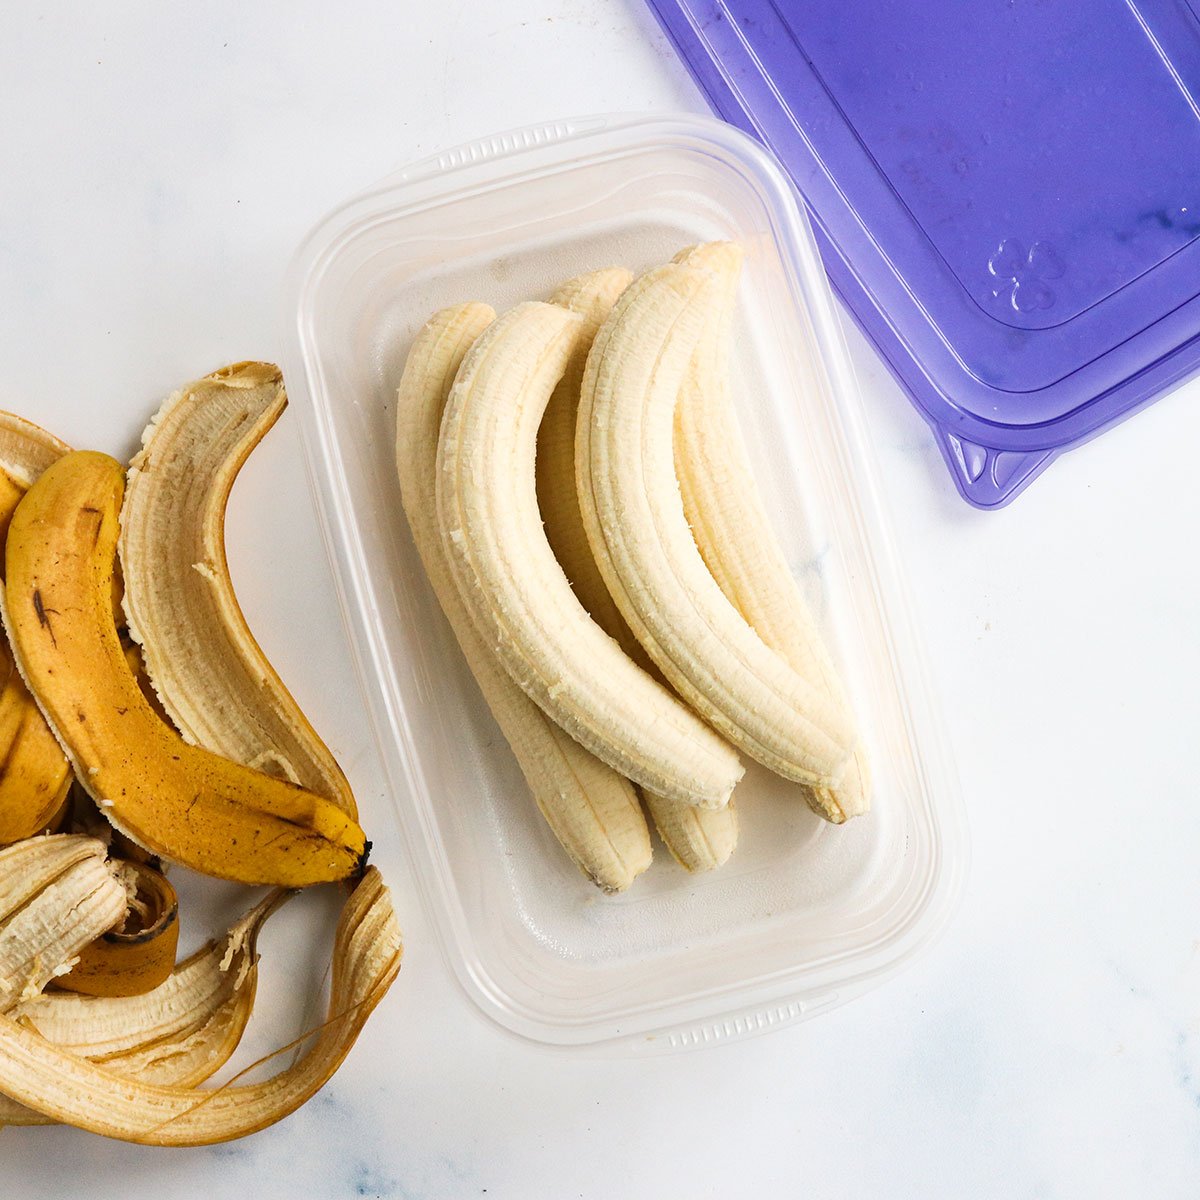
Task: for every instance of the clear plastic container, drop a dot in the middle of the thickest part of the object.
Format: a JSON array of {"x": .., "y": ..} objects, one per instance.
[{"x": 805, "y": 915}]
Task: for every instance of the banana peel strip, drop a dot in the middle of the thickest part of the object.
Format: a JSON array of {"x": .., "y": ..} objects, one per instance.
[
  {"x": 93, "y": 1096},
  {"x": 210, "y": 674},
  {"x": 180, "y": 1034}
]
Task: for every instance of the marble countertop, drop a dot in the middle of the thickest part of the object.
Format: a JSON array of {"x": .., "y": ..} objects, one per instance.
[{"x": 160, "y": 165}]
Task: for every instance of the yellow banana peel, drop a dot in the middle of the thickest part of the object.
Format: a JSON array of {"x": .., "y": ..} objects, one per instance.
[
  {"x": 181, "y": 802},
  {"x": 68, "y": 1087}
]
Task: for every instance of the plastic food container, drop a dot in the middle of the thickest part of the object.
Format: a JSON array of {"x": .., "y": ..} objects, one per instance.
[
  {"x": 1005, "y": 195},
  {"x": 804, "y": 916}
]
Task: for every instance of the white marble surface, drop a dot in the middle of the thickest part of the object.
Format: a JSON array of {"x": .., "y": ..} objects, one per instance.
[{"x": 158, "y": 165}]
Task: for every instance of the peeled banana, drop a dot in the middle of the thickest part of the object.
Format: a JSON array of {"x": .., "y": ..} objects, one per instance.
[
  {"x": 68, "y": 1087},
  {"x": 591, "y": 297},
  {"x": 213, "y": 679},
  {"x": 183, "y": 803},
  {"x": 722, "y": 504},
  {"x": 634, "y": 518},
  {"x": 591, "y": 809},
  {"x": 518, "y": 596},
  {"x": 699, "y": 839}
]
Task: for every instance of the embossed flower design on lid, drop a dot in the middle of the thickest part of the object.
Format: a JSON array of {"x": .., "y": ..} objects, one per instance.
[{"x": 1022, "y": 277}]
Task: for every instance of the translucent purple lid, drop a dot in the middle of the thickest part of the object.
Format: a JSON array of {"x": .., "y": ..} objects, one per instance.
[{"x": 1006, "y": 194}]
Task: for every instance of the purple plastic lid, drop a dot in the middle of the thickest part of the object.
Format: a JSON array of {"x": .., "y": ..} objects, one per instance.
[{"x": 1006, "y": 194}]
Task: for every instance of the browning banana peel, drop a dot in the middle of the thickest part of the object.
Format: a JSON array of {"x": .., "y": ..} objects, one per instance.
[
  {"x": 181, "y": 802},
  {"x": 57, "y": 894}
]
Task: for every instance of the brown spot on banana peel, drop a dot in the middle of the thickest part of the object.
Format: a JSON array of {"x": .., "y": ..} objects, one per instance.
[
  {"x": 140, "y": 767},
  {"x": 99, "y": 521},
  {"x": 43, "y": 614}
]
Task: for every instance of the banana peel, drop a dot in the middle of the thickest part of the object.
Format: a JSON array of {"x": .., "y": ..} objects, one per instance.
[
  {"x": 183, "y": 803},
  {"x": 11, "y": 491},
  {"x": 57, "y": 894},
  {"x": 84, "y": 817},
  {"x": 139, "y": 955},
  {"x": 92, "y": 1095},
  {"x": 89, "y": 988},
  {"x": 180, "y": 1034},
  {"x": 26, "y": 450},
  {"x": 34, "y": 775},
  {"x": 35, "y": 778},
  {"x": 211, "y": 675}
]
